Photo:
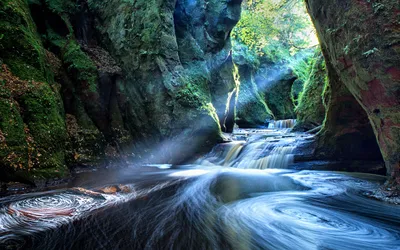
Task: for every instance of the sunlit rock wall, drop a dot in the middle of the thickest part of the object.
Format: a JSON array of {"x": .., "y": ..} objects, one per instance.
[
  {"x": 178, "y": 68},
  {"x": 203, "y": 36},
  {"x": 361, "y": 41},
  {"x": 144, "y": 80},
  {"x": 265, "y": 89},
  {"x": 275, "y": 82},
  {"x": 310, "y": 109},
  {"x": 251, "y": 109}
]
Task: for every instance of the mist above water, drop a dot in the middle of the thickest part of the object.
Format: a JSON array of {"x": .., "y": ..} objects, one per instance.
[
  {"x": 239, "y": 196},
  {"x": 208, "y": 208}
]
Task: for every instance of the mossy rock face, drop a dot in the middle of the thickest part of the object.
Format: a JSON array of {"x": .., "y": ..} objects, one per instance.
[
  {"x": 13, "y": 144},
  {"x": 251, "y": 109},
  {"x": 276, "y": 81},
  {"x": 178, "y": 79},
  {"x": 202, "y": 32},
  {"x": 33, "y": 146},
  {"x": 33, "y": 131},
  {"x": 43, "y": 113},
  {"x": 20, "y": 46},
  {"x": 90, "y": 80},
  {"x": 86, "y": 145},
  {"x": 365, "y": 57},
  {"x": 133, "y": 74},
  {"x": 311, "y": 109},
  {"x": 80, "y": 65}
]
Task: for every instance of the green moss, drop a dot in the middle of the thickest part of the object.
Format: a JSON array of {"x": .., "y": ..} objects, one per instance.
[
  {"x": 4, "y": 92},
  {"x": 190, "y": 96},
  {"x": 311, "y": 108},
  {"x": 61, "y": 6},
  {"x": 80, "y": 64},
  {"x": 20, "y": 47},
  {"x": 194, "y": 95},
  {"x": 55, "y": 40},
  {"x": 46, "y": 125},
  {"x": 31, "y": 115},
  {"x": 252, "y": 111},
  {"x": 14, "y": 150},
  {"x": 194, "y": 92}
]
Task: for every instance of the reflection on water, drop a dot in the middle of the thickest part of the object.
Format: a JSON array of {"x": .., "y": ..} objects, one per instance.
[{"x": 206, "y": 208}]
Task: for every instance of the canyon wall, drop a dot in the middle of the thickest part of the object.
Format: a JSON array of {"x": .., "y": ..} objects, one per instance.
[
  {"x": 252, "y": 111},
  {"x": 362, "y": 44},
  {"x": 96, "y": 82},
  {"x": 275, "y": 81},
  {"x": 313, "y": 97}
]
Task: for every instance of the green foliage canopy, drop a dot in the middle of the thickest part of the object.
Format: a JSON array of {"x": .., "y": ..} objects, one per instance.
[{"x": 276, "y": 29}]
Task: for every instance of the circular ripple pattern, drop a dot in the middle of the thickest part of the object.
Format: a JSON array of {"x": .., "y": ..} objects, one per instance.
[
  {"x": 38, "y": 213},
  {"x": 50, "y": 207},
  {"x": 220, "y": 209},
  {"x": 329, "y": 216}
]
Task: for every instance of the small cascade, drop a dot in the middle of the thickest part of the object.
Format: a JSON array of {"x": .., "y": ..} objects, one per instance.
[
  {"x": 233, "y": 154},
  {"x": 272, "y": 153},
  {"x": 282, "y": 124},
  {"x": 280, "y": 157},
  {"x": 256, "y": 149}
]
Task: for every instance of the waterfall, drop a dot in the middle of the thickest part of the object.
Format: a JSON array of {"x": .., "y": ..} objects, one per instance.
[
  {"x": 233, "y": 154},
  {"x": 267, "y": 154},
  {"x": 257, "y": 148},
  {"x": 280, "y": 157},
  {"x": 282, "y": 124},
  {"x": 202, "y": 207}
]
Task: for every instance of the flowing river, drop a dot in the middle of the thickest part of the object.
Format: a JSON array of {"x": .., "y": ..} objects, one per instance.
[{"x": 242, "y": 195}]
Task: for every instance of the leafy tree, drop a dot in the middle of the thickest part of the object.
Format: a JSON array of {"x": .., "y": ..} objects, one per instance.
[{"x": 276, "y": 29}]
